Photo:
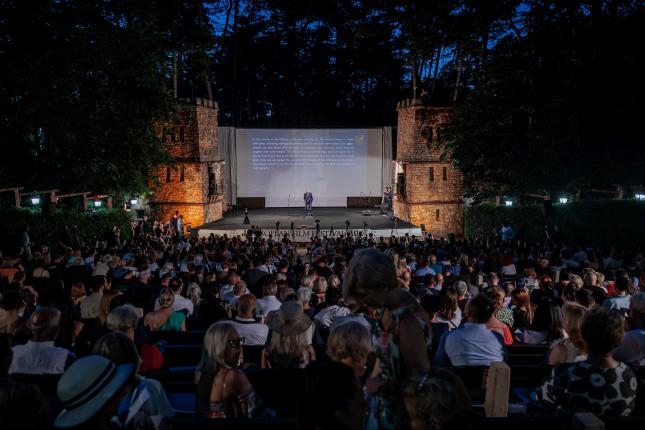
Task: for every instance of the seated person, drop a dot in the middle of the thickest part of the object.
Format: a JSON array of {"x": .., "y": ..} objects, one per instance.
[
  {"x": 437, "y": 400},
  {"x": 350, "y": 343},
  {"x": 253, "y": 332},
  {"x": 165, "y": 319},
  {"x": 473, "y": 344},
  {"x": 146, "y": 404},
  {"x": 223, "y": 390},
  {"x": 40, "y": 355},
  {"x": 632, "y": 348},
  {"x": 22, "y": 406},
  {"x": 600, "y": 384}
]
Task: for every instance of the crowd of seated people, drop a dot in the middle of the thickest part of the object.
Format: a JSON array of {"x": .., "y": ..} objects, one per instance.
[{"x": 382, "y": 326}]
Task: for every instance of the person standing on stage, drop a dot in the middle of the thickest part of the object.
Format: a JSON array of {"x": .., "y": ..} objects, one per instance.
[
  {"x": 388, "y": 198},
  {"x": 309, "y": 199}
]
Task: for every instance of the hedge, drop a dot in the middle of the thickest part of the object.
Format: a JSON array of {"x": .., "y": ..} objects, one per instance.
[
  {"x": 87, "y": 226},
  {"x": 600, "y": 222}
]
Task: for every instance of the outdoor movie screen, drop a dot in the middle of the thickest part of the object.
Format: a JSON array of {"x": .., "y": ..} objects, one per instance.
[{"x": 281, "y": 164}]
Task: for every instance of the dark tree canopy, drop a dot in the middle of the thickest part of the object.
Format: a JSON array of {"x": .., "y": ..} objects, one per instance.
[{"x": 547, "y": 95}]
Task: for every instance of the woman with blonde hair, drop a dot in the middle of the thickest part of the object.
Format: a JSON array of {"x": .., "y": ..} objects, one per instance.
[
  {"x": 572, "y": 348},
  {"x": 223, "y": 390},
  {"x": 289, "y": 347},
  {"x": 350, "y": 343},
  {"x": 165, "y": 319},
  {"x": 334, "y": 281}
]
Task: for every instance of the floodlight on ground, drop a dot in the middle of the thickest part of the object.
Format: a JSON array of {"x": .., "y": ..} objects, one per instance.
[
  {"x": 35, "y": 200},
  {"x": 97, "y": 203},
  {"x": 134, "y": 200},
  {"x": 640, "y": 196},
  {"x": 508, "y": 203},
  {"x": 564, "y": 200}
]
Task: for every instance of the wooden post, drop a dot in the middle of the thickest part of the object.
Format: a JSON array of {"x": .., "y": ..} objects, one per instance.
[
  {"x": 84, "y": 202},
  {"x": 109, "y": 202},
  {"x": 586, "y": 421},
  {"x": 498, "y": 200},
  {"x": 498, "y": 384},
  {"x": 16, "y": 193}
]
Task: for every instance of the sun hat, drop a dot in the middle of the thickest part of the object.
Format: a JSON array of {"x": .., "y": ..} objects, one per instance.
[
  {"x": 88, "y": 386},
  {"x": 290, "y": 319}
]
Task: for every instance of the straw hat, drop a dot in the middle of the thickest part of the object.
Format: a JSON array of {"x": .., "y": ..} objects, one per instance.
[
  {"x": 290, "y": 320},
  {"x": 88, "y": 386}
]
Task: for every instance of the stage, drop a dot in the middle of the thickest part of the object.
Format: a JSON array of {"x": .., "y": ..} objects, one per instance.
[{"x": 332, "y": 223}]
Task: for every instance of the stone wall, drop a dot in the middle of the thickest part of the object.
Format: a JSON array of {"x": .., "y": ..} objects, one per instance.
[
  {"x": 191, "y": 138},
  {"x": 433, "y": 188}
]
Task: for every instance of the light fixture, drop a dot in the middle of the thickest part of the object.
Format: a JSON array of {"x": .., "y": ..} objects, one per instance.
[
  {"x": 35, "y": 200},
  {"x": 97, "y": 203},
  {"x": 564, "y": 200},
  {"x": 134, "y": 200},
  {"x": 508, "y": 203},
  {"x": 640, "y": 196}
]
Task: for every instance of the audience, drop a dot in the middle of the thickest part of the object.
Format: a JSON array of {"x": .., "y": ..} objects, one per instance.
[{"x": 392, "y": 318}]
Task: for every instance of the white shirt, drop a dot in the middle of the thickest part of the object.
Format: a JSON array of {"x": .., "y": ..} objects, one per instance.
[
  {"x": 267, "y": 304},
  {"x": 40, "y": 358},
  {"x": 179, "y": 304},
  {"x": 471, "y": 345},
  {"x": 253, "y": 332},
  {"x": 327, "y": 315}
]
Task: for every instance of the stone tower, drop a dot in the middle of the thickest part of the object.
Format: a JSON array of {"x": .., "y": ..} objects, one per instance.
[
  {"x": 194, "y": 184},
  {"x": 428, "y": 191}
]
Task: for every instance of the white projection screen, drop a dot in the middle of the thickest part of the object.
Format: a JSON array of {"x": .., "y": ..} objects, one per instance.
[{"x": 281, "y": 164}]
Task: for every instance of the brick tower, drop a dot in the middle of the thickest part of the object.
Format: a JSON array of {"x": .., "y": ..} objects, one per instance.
[
  {"x": 194, "y": 185},
  {"x": 428, "y": 190}
]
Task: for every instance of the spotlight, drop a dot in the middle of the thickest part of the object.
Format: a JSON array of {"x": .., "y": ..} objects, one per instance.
[
  {"x": 564, "y": 200},
  {"x": 134, "y": 200},
  {"x": 97, "y": 203},
  {"x": 508, "y": 203},
  {"x": 640, "y": 196},
  {"x": 35, "y": 200}
]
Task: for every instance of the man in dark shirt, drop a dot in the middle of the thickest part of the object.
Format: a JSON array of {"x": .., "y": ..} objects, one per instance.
[{"x": 253, "y": 275}]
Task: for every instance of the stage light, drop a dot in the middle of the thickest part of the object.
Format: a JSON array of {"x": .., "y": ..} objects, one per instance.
[
  {"x": 35, "y": 200},
  {"x": 640, "y": 196},
  {"x": 508, "y": 203},
  {"x": 564, "y": 200},
  {"x": 97, "y": 203}
]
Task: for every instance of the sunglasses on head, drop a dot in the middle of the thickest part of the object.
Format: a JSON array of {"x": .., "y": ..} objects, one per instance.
[{"x": 236, "y": 342}]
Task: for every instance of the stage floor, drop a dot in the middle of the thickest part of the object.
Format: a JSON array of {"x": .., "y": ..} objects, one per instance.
[{"x": 332, "y": 222}]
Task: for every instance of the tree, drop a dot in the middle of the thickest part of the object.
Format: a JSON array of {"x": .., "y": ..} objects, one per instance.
[
  {"x": 555, "y": 106},
  {"x": 81, "y": 84}
]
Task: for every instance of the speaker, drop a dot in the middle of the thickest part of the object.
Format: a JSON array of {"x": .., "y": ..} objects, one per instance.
[{"x": 400, "y": 184}]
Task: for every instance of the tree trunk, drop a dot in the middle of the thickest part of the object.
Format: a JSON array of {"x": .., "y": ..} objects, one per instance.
[
  {"x": 174, "y": 74},
  {"x": 455, "y": 95},
  {"x": 415, "y": 78},
  {"x": 436, "y": 72}
]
